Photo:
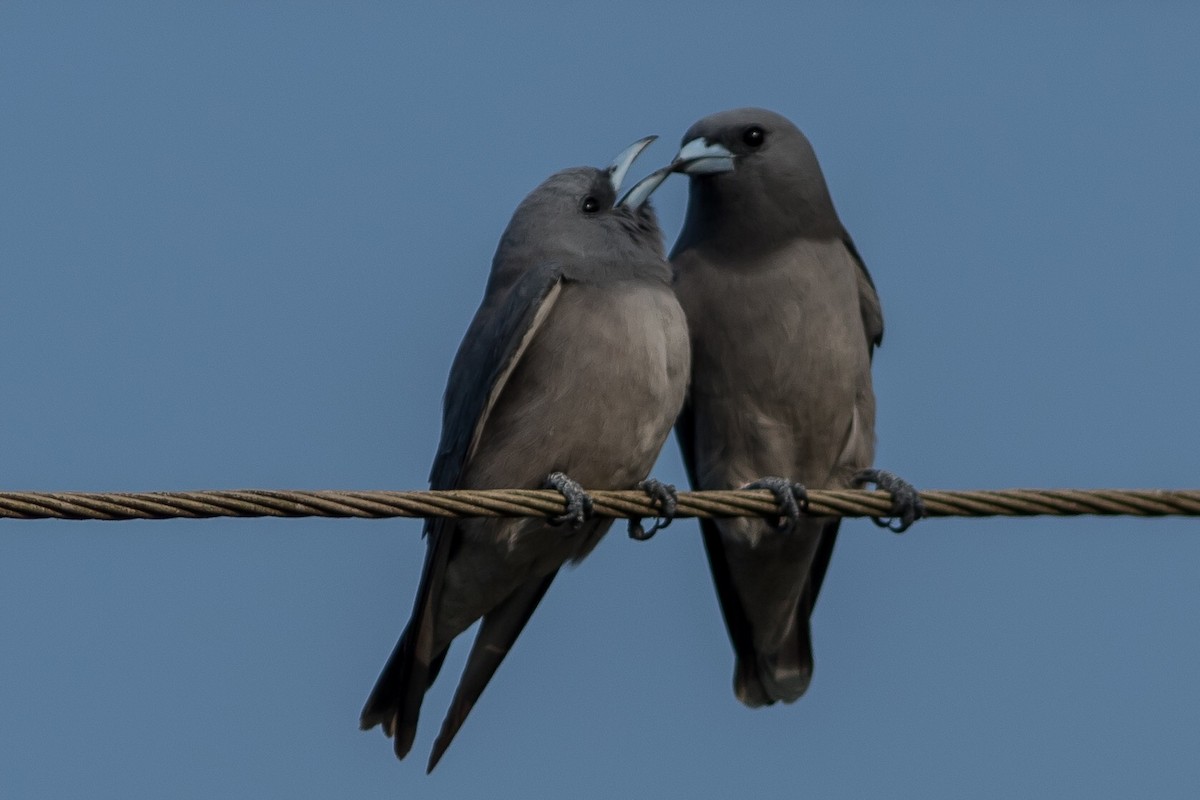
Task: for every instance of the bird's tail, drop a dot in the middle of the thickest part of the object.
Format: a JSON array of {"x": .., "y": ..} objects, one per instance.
[
  {"x": 765, "y": 678},
  {"x": 496, "y": 636},
  {"x": 395, "y": 702},
  {"x": 762, "y": 679}
]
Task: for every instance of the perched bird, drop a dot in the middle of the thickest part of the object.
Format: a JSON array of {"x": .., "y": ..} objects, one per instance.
[
  {"x": 784, "y": 319},
  {"x": 575, "y": 365}
]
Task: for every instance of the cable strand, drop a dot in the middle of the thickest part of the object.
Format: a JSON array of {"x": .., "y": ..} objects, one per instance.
[{"x": 113, "y": 506}]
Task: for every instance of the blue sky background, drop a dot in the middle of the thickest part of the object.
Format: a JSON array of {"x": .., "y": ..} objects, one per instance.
[{"x": 239, "y": 246}]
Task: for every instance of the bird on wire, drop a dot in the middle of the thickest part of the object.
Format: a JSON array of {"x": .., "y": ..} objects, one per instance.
[
  {"x": 571, "y": 374},
  {"x": 784, "y": 319}
]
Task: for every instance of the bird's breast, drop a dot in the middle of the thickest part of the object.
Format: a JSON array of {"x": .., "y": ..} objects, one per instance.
[
  {"x": 781, "y": 365},
  {"x": 597, "y": 390}
]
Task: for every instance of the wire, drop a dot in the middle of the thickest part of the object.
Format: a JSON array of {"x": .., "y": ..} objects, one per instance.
[{"x": 547, "y": 503}]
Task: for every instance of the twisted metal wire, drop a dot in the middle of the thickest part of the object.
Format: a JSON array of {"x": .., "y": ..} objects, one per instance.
[{"x": 546, "y": 503}]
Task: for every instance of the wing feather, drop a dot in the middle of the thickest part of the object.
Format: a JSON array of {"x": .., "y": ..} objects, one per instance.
[{"x": 507, "y": 321}]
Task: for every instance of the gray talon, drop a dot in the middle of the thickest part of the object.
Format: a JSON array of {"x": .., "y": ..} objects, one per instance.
[
  {"x": 792, "y": 498},
  {"x": 907, "y": 507},
  {"x": 667, "y": 498},
  {"x": 579, "y": 503}
]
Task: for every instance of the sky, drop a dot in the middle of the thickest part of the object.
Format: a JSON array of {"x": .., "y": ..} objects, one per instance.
[{"x": 239, "y": 245}]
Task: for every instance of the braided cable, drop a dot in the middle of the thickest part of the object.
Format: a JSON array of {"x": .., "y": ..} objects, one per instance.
[{"x": 546, "y": 503}]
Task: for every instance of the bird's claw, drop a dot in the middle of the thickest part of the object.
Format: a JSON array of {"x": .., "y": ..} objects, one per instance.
[
  {"x": 579, "y": 503},
  {"x": 907, "y": 507},
  {"x": 792, "y": 498},
  {"x": 667, "y": 498}
]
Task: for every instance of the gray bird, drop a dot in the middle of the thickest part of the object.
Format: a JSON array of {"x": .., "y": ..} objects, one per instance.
[
  {"x": 784, "y": 319},
  {"x": 575, "y": 364}
]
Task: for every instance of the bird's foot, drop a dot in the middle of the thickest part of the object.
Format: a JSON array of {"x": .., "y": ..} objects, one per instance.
[
  {"x": 667, "y": 498},
  {"x": 791, "y": 497},
  {"x": 907, "y": 507},
  {"x": 579, "y": 503}
]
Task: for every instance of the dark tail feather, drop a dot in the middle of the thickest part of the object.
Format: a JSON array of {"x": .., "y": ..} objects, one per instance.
[
  {"x": 785, "y": 676},
  {"x": 384, "y": 698},
  {"x": 762, "y": 679},
  {"x": 747, "y": 687},
  {"x": 499, "y": 630},
  {"x": 395, "y": 702}
]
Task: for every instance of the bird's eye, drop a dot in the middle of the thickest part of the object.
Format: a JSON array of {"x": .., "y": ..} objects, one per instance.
[
  {"x": 590, "y": 205},
  {"x": 754, "y": 136}
]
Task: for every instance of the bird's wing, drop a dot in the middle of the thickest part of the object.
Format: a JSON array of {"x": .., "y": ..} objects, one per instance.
[
  {"x": 872, "y": 318},
  {"x": 868, "y": 298},
  {"x": 736, "y": 623},
  {"x": 499, "y": 630},
  {"x": 491, "y": 350}
]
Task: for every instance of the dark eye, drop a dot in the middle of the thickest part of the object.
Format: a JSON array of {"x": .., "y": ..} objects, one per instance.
[
  {"x": 754, "y": 136},
  {"x": 590, "y": 205}
]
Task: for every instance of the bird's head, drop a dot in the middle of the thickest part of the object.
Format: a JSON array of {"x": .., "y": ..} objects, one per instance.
[
  {"x": 754, "y": 163},
  {"x": 580, "y": 215}
]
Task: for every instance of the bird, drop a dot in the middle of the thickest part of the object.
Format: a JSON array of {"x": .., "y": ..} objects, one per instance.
[
  {"x": 784, "y": 319},
  {"x": 571, "y": 374}
]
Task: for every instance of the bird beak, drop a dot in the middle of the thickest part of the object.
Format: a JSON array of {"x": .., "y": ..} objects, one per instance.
[
  {"x": 699, "y": 157},
  {"x": 622, "y": 163},
  {"x": 642, "y": 190}
]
